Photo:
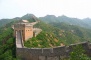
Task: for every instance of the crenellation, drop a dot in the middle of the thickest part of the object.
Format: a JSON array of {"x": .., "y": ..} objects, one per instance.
[
  {"x": 46, "y": 53},
  {"x": 89, "y": 46},
  {"x": 59, "y": 50},
  {"x": 35, "y": 51}
]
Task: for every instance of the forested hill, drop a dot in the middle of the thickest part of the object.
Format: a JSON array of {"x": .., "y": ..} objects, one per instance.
[
  {"x": 65, "y": 29},
  {"x": 51, "y": 18},
  {"x": 73, "y": 21},
  {"x": 4, "y": 22},
  {"x": 66, "y": 33},
  {"x": 7, "y": 43},
  {"x": 30, "y": 17},
  {"x": 54, "y": 33},
  {"x": 7, "y": 40}
]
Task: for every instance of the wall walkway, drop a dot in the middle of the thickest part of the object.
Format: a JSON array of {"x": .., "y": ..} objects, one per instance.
[{"x": 19, "y": 42}]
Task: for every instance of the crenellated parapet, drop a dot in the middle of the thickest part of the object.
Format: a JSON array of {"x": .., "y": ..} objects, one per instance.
[{"x": 55, "y": 53}]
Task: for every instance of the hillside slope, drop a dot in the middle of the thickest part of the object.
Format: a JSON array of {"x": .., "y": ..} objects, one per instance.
[
  {"x": 64, "y": 33},
  {"x": 53, "y": 34},
  {"x": 7, "y": 43}
]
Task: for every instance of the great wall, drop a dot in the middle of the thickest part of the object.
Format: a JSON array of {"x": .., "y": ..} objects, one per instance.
[{"x": 56, "y": 53}]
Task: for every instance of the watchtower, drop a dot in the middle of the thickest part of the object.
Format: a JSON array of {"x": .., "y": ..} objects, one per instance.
[{"x": 25, "y": 28}]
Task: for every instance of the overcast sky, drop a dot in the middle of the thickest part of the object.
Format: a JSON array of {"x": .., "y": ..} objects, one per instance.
[{"x": 70, "y": 8}]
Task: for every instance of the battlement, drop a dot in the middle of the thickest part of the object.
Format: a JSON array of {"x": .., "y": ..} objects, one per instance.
[
  {"x": 56, "y": 52},
  {"x": 22, "y": 24}
]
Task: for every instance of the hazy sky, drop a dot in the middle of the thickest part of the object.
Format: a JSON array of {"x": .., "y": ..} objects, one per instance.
[{"x": 70, "y": 8}]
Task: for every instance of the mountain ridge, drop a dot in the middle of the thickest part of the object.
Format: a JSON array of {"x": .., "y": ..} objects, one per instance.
[
  {"x": 52, "y": 18},
  {"x": 63, "y": 18}
]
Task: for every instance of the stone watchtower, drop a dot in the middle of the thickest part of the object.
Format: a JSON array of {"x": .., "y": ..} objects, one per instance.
[{"x": 25, "y": 28}]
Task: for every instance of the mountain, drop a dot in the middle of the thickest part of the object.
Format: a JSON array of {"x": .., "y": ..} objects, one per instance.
[
  {"x": 63, "y": 18},
  {"x": 65, "y": 32},
  {"x": 4, "y": 22},
  {"x": 87, "y": 21},
  {"x": 72, "y": 21},
  {"x": 49, "y": 18},
  {"x": 7, "y": 41},
  {"x": 29, "y": 17},
  {"x": 54, "y": 33}
]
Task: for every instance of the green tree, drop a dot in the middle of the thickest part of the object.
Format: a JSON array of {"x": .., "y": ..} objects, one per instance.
[{"x": 78, "y": 54}]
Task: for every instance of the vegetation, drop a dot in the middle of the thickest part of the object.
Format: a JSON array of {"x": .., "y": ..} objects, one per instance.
[
  {"x": 63, "y": 32},
  {"x": 78, "y": 33},
  {"x": 4, "y": 22},
  {"x": 66, "y": 33},
  {"x": 7, "y": 42},
  {"x": 7, "y": 45},
  {"x": 78, "y": 54},
  {"x": 57, "y": 30},
  {"x": 44, "y": 39},
  {"x": 73, "y": 21}
]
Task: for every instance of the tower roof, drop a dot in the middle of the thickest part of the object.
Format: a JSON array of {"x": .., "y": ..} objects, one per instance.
[{"x": 26, "y": 21}]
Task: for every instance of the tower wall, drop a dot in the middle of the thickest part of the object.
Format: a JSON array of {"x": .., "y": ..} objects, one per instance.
[
  {"x": 26, "y": 29},
  {"x": 28, "y": 32},
  {"x": 18, "y": 27}
]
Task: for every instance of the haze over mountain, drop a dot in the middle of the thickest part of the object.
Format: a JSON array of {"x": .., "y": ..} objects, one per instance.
[
  {"x": 72, "y": 21},
  {"x": 52, "y": 18},
  {"x": 87, "y": 21}
]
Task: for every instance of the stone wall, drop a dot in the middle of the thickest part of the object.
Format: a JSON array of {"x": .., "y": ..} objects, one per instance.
[
  {"x": 25, "y": 28},
  {"x": 49, "y": 53}
]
